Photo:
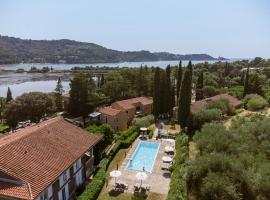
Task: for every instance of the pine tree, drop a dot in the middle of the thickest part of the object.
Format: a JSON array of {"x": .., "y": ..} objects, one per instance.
[
  {"x": 58, "y": 95},
  {"x": 79, "y": 95},
  {"x": 199, "y": 87},
  {"x": 168, "y": 95},
  {"x": 179, "y": 80},
  {"x": 9, "y": 95},
  {"x": 156, "y": 93},
  {"x": 185, "y": 97},
  {"x": 246, "y": 85}
]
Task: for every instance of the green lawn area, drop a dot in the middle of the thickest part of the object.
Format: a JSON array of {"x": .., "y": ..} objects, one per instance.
[
  {"x": 3, "y": 127},
  {"x": 107, "y": 195}
]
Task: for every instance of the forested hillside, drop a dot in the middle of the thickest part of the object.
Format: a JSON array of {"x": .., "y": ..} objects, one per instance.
[{"x": 15, "y": 50}]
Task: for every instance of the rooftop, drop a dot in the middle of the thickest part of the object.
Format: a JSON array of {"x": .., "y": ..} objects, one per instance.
[
  {"x": 109, "y": 111},
  {"x": 36, "y": 156},
  {"x": 129, "y": 103},
  {"x": 197, "y": 105}
]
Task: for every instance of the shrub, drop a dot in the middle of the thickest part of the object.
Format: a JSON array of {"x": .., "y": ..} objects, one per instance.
[
  {"x": 221, "y": 104},
  {"x": 143, "y": 121},
  {"x": 256, "y": 104},
  {"x": 209, "y": 91},
  {"x": 93, "y": 189},
  {"x": 178, "y": 189},
  {"x": 251, "y": 96},
  {"x": 127, "y": 142},
  {"x": 4, "y": 128},
  {"x": 151, "y": 133},
  {"x": 198, "y": 119},
  {"x": 236, "y": 91}
]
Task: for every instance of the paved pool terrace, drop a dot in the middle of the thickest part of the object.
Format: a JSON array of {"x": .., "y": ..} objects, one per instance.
[{"x": 159, "y": 180}]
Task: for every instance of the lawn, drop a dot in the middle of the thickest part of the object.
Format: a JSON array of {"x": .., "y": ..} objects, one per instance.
[
  {"x": 3, "y": 128},
  {"x": 108, "y": 195}
]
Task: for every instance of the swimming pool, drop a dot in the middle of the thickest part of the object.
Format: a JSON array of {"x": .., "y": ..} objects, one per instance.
[{"x": 144, "y": 156}]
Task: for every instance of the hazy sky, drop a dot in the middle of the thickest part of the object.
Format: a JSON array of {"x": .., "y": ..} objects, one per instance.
[{"x": 229, "y": 28}]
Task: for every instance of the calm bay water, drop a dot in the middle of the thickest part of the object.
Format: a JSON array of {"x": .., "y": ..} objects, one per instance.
[
  {"x": 162, "y": 64},
  {"x": 32, "y": 86},
  {"x": 19, "y": 86}
]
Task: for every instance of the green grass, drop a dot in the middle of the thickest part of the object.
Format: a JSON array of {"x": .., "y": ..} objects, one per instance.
[{"x": 3, "y": 128}]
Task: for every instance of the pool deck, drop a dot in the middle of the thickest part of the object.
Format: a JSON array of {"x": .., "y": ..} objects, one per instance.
[{"x": 159, "y": 180}]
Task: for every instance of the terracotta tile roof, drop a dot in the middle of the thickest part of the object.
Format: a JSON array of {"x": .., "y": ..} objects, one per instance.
[
  {"x": 38, "y": 155},
  {"x": 195, "y": 106},
  {"x": 129, "y": 103},
  {"x": 109, "y": 111}
]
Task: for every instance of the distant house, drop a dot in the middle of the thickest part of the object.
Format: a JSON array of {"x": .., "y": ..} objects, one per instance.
[
  {"x": 121, "y": 113},
  {"x": 117, "y": 119},
  {"x": 50, "y": 160},
  {"x": 197, "y": 105}
]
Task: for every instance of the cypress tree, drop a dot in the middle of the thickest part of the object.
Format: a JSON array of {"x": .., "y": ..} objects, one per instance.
[
  {"x": 246, "y": 85},
  {"x": 179, "y": 80},
  {"x": 173, "y": 97},
  {"x": 199, "y": 87},
  {"x": 9, "y": 95},
  {"x": 163, "y": 93},
  {"x": 185, "y": 97},
  {"x": 58, "y": 95},
  {"x": 156, "y": 92},
  {"x": 168, "y": 95},
  {"x": 102, "y": 80}
]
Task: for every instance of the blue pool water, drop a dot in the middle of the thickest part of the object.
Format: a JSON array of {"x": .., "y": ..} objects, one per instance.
[{"x": 144, "y": 157}]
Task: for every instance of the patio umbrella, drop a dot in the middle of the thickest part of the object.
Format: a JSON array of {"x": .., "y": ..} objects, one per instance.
[
  {"x": 169, "y": 149},
  {"x": 141, "y": 176},
  {"x": 166, "y": 159},
  {"x": 115, "y": 174}
]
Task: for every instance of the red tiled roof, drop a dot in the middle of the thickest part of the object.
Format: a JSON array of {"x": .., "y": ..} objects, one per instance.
[
  {"x": 38, "y": 155},
  {"x": 109, "y": 111},
  {"x": 195, "y": 106},
  {"x": 129, "y": 103}
]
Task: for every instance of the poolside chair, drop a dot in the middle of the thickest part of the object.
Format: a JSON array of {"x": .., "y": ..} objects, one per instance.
[
  {"x": 123, "y": 184},
  {"x": 136, "y": 189},
  {"x": 167, "y": 167},
  {"x": 146, "y": 186}
]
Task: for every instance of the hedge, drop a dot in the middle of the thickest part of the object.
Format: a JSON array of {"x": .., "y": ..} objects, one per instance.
[
  {"x": 93, "y": 189},
  {"x": 256, "y": 104},
  {"x": 178, "y": 188}
]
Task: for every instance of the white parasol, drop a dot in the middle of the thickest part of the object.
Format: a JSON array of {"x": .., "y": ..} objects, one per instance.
[
  {"x": 141, "y": 176},
  {"x": 115, "y": 174}
]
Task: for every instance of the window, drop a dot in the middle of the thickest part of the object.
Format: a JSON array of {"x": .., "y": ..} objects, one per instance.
[
  {"x": 65, "y": 176},
  {"x": 106, "y": 119},
  {"x": 64, "y": 193},
  {"x": 116, "y": 119},
  {"x": 44, "y": 195},
  {"x": 77, "y": 165}
]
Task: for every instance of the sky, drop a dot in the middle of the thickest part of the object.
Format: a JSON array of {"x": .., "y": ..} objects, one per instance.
[{"x": 228, "y": 28}]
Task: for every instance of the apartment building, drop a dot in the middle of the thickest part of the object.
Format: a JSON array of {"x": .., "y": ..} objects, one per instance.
[
  {"x": 47, "y": 161},
  {"x": 120, "y": 114}
]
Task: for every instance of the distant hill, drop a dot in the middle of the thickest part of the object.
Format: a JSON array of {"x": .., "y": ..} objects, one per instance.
[{"x": 16, "y": 50}]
